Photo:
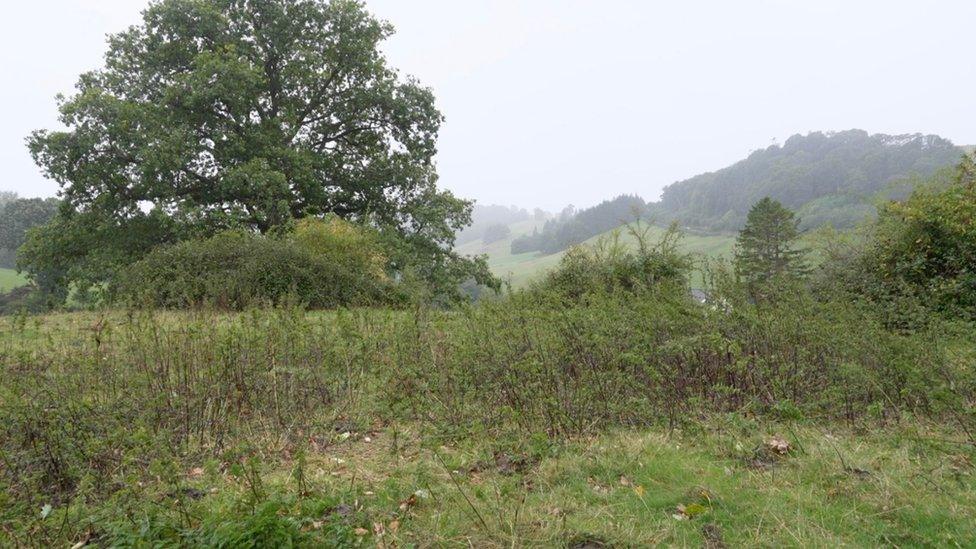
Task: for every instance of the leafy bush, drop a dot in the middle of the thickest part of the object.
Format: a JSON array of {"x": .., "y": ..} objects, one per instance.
[
  {"x": 920, "y": 255},
  {"x": 928, "y": 244},
  {"x": 322, "y": 264},
  {"x": 533, "y": 364},
  {"x": 611, "y": 265}
]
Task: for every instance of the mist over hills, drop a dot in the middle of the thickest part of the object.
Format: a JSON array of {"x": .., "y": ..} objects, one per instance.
[{"x": 829, "y": 177}]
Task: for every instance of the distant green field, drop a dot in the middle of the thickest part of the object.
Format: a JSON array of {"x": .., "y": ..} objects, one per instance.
[
  {"x": 10, "y": 279},
  {"x": 519, "y": 269}
]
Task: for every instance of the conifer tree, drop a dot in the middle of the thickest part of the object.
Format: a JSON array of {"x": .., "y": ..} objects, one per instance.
[{"x": 766, "y": 247}]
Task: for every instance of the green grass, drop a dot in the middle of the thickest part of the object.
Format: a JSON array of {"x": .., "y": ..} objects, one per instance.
[
  {"x": 834, "y": 488},
  {"x": 393, "y": 486},
  {"x": 9, "y": 279}
]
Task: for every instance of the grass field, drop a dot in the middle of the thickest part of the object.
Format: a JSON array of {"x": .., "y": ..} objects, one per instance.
[{"x": 10, "y": 279}]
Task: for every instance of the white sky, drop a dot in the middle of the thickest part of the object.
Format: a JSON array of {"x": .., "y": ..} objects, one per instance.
[{"x": 550, "y": 102}]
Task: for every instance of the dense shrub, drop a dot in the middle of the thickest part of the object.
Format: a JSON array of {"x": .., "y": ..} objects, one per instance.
[
  {"x": 321, "y": 264},
  {"x": 919, "y": 256},
  {"x": 23, "y": 299},
  {"x": 624, "y": 358},
  {"x": 928, "y": 243},
  {"x": 612, "y": 265}
]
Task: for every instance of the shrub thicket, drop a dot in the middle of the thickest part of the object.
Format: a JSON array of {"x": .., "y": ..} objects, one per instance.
[
  {"x": 321, "y": 264},
  {"x": 612, "y": 265},
  {"x": 920, "y": 256}
]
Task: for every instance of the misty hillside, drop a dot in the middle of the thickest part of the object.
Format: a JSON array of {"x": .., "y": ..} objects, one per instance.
[
  {"x": 827, "y": 177},
  {"x": 487, "y": 218}
]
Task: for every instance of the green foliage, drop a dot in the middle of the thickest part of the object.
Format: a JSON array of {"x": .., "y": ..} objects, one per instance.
[
  {"x": 323, "y": 264},
  {"x": 76, "y": 250},
  {"x": 612, "y": 266},
  {"x": 243, "y": 116},
  {"x": 766, "y": 247},
  {"x": 848, "y": 167},
  {"x": 353, "y": 248},
  {"x": 17, "y": 216},
  {"x": 923, "y": 250}
]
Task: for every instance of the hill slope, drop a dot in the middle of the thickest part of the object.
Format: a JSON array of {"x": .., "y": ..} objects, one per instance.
[
  {"x": 10, "y": 279},
  {"x": 829, "y": 177}
]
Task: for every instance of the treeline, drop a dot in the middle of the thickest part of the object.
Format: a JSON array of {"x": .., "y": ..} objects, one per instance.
[
  {"x": 572, "y": 227},
  {"x": 17, "y": 216},
  {"x": 830, "y": 177}
]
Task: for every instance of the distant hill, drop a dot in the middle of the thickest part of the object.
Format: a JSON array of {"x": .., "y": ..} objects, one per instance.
[{"x": 827, "y": 177}]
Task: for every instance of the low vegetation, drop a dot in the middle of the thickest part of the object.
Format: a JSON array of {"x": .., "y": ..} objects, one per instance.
[{"x": 281, "y": 347}]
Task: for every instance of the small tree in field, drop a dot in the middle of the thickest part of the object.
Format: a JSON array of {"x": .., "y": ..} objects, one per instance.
[{"x": 765, "y": 248}]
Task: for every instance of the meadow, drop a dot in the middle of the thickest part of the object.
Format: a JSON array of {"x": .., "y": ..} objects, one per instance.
[
  {"x": 9, "y": 279},
  {"x": 622, "y": 421}
]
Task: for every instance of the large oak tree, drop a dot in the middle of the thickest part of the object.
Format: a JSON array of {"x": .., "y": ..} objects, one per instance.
[{"x": 216, "y": 114}]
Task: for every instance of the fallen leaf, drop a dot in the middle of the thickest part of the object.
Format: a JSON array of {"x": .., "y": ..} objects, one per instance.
[
  {"x": 196, "y": 472},
  {"x": 394, "y": 526},
  {"x": 406, "y": 504},
  {"x": 360, "y": 531}
]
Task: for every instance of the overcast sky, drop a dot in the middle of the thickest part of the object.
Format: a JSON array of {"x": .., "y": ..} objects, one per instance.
[{"x": 550, "y": 102}]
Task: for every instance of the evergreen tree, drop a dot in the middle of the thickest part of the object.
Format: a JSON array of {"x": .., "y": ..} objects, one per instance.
[{"x": 765, "y": 248}]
